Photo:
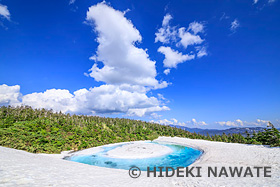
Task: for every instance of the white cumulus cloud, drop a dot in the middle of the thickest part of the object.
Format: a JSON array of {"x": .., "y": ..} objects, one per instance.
[
  {"x": 236, "y": 123},
  {"x": 163, "y": 122},
  {"x": 166, "y": 71},
  {"x": 191, "y": 124},
  {"x": 146, "y": 111},
  {"x": 106, "y": 99},
  {"x": 166, "y": 19},
  {"x": 172, "y": 57},
  {"x": 240, "y": 123},
  {"x": 124, "y": 63},
  {"x": 182, "y": 37},
  {"x": 196, "y": 27},
  {"x": 127, "y": 72},
  {"x": 4, "y": 12},
  {"x": 261, "y": 122},
  {"x": 196, "y": 123},
  {"x": 188, "y": 39},
  {"x": 56, "y": 99},
  {"x": 10, "y": 95},
  {"x": 166, "y": 33}
]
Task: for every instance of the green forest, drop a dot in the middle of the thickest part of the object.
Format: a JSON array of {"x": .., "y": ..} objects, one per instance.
[{"x": 45, "y": 131}]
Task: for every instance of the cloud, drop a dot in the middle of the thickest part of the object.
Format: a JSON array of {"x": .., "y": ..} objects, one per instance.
[
  {"x": 188, "y": 39},
  {"x": 271, "y": 1},
  {"x": 263, "y": 4},
  {"x": 240, "y": 123},
  {"x": 196, "y": 123},
  {"x": 193, "y": 123},
  {"x": 181, "y": 37},
  {"x": 166, "y": 33},
  {"x": 166, "y": 71},
  {"x": 165, "y": 121},
  {"x": 172, "y": 57},
  {"x": 10, "y": 95},
  {"x": 224, "y": 16},
  {"x": 145, "y": 111},
  {"x": 56, "y": 99},
  {"x": 196, "y": 27},
  {"x": 71, "y": 2},
  {"x": 155, "y": 115},
  {"x": 175, "y": 120},
  {"x": 4, "y": 12},
  {"x": 236, "y": 123},
  {"x": 261, "y": 122},
  {"x": 255, "y": 1},
  {"x": 106, "y": 99},
  {"x": 201, "y": 51},
  {"x": 166, "y": 19},
  {"x": 127, "y": 72},
  {"x": 161, "y": 97},
  {"x": 234, "y": 25},
  {"x": 123, "y": 62}
]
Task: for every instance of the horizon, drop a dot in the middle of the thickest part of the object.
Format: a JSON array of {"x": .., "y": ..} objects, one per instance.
[{"x": 208, "y": 65}]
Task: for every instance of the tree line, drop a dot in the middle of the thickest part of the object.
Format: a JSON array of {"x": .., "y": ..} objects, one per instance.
[{"x": 45, "y": 131}]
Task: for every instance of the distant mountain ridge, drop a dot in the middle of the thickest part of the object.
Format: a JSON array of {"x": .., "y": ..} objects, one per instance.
[{"x": 212, "y": 132}]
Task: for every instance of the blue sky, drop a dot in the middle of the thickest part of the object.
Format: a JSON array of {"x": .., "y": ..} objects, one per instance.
[{"x": 206, "y": 64}]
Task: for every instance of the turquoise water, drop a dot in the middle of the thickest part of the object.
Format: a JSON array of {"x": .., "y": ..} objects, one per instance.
[{"x": 180, "y": 157}]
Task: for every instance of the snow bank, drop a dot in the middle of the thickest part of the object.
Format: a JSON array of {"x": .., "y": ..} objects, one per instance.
[{"x": 20, "y": 168}]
